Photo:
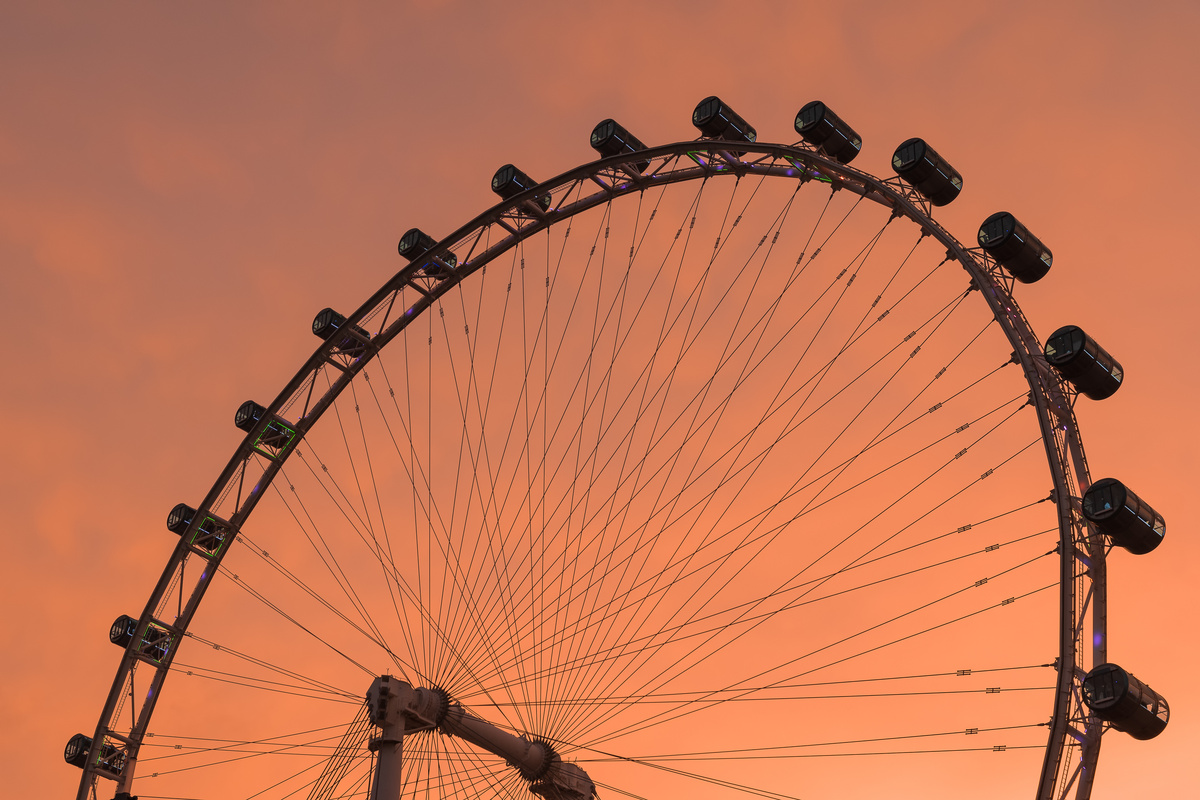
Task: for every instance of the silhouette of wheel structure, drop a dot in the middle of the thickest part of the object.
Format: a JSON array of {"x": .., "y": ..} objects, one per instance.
[{"x": 711, "y": 469}]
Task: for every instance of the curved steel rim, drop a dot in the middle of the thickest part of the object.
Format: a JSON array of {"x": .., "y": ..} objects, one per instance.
[{"x": 1082, "y": 587}]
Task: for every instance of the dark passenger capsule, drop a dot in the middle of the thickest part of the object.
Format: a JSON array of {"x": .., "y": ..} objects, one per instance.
[
  {"x": 326, "y": 325},
  {"x": 508, "y": 182},
  {"x": 927, "y": 172},
  {"x": 1087, "y": 366},
  {"x": 122, "y": 630},
  {"x": 610, "y": 139},
  {"x": 75, "y": 753},
  {"x": 327, "y": 322},
  {"x": 248, "y": 415},
  {"x": 109, "y": 759},
  {"x": 416, "y": 243},
  {"x": 1124, "y": 517},
  {"x": 1129, "y": 705},
  {"x": 718, "y": 121},
  {"x": 819, "y": 126},
  {"x": 1014, "y": 247},
  {"x": 179, "y": 518}
]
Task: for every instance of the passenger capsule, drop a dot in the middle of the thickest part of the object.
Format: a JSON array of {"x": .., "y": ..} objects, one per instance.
[
  {"x": 326, "y": 325},
  {"x": 1087, "y": 366},
  {"x": 927, "y": 172},
  {"x": 415, "y": 243},
  {"x": 508, "y": 182},
  {"x": 718, "y": 121},
  {"x": 122, "y": 630},
  {"x": 155, "y": 642},
  {"x": 248, "y": 415},
  {"x": 274, "y": 437},
  {"x": 179, "y": 518},
  {"x": 610, "y": 139},
  {"x": 819, "y": 126},
  {"x": 1129, "y": 705},
  {"x": 327, "y": 322},
  {"x": 75, "y": 753},
  {"x": 109, "y": 759},
  {"x": 1014, "y": 247},
  {"x": 1124, "y": 517}
]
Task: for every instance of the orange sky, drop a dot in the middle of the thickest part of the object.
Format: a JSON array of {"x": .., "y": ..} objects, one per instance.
[{"x": 182, "y": 186}]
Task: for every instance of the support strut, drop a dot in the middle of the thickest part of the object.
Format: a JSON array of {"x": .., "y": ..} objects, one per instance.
[{"x": 397, "y": 708}]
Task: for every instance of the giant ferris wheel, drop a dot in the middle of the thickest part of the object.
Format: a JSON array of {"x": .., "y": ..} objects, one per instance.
[{"x": 711, "y": 469}]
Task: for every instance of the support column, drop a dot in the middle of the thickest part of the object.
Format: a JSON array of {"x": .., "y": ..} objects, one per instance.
[
  {"x": 395, "y": 706},
  {"x": 388, "y": 747}
]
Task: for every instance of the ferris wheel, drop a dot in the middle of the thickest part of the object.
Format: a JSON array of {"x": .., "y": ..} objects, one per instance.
[{"x": 716, "y": 467}]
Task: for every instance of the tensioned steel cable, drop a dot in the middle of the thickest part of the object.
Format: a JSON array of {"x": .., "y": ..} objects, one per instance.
[
  {"x": 741, "y": 633},
  {"x": 882, "y": 470},
  {"x": 580, "y": 676},
  {"x": 720, "y": 410}
]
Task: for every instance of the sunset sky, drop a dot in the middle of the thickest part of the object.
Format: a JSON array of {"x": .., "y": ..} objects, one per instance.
[{"x": 182, "y": 186}]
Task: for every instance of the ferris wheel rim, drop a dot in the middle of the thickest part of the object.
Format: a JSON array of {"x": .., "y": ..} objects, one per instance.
[{"x": 1059, "y": 432}]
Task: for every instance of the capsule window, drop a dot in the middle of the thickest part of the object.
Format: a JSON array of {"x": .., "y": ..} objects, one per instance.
[
  {"x": 811, "y": 114},
  {"x": 503, "y": 176},
  {"x": 603, "y": 131},
  {"x": 706, "y": 111},
  {"x": 1098, "y": 500},
  {"x": 995, "y": 229},
  {"x": 907, "y": 155},
  {"x": 1065, "y": 345},
  {"x": 1102, "y": 687}
]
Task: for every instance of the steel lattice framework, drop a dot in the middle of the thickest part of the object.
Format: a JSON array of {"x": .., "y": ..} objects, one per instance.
[{"x": 1074, "y": 740}]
